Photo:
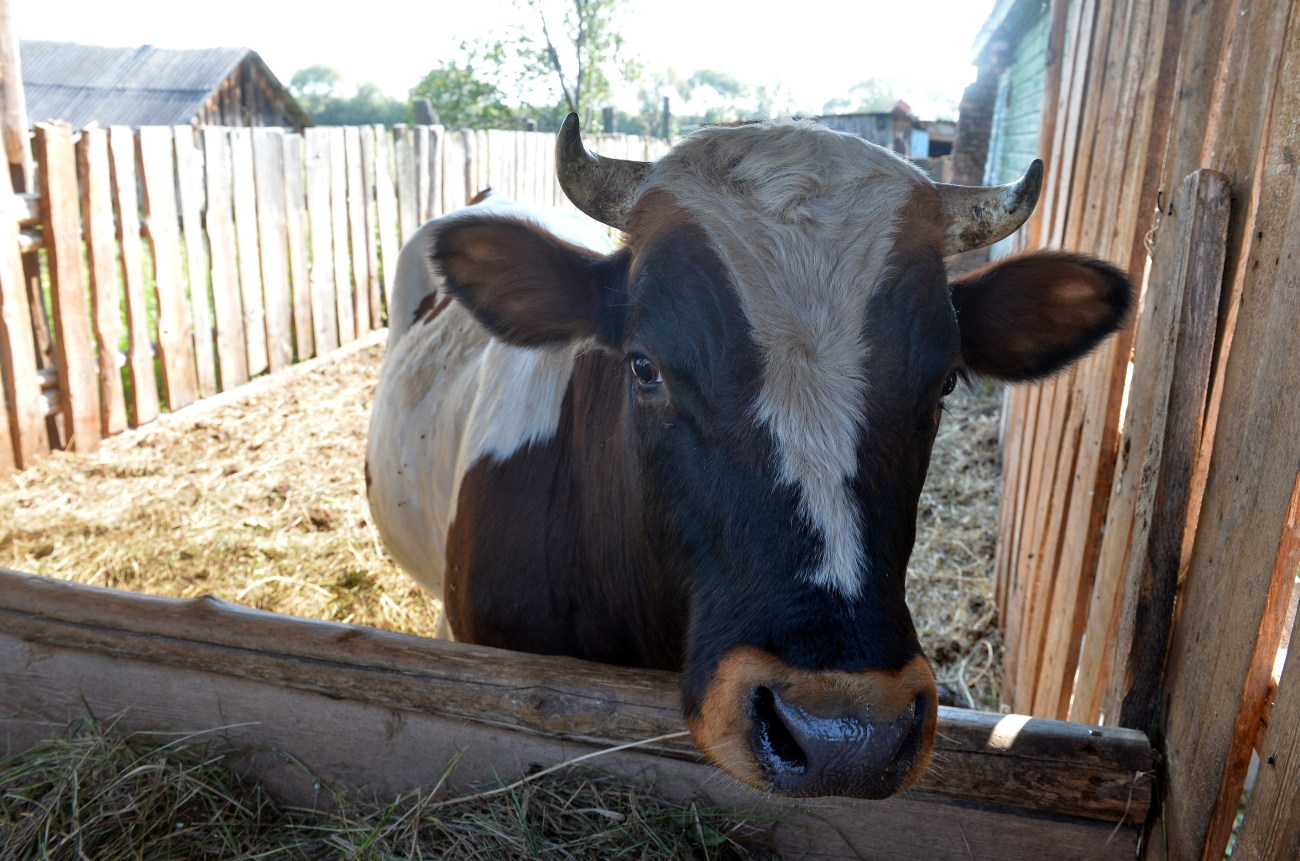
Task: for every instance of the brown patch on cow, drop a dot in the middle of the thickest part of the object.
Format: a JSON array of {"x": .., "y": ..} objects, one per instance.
[
  {"x": 724, "y": 725},
  {"x": 481, "y": 196},
  {"x": 429, "y": 308},
  {"x": 920, "y": 226}
]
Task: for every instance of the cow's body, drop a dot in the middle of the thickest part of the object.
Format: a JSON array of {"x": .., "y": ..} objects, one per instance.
[{"x": 704, "y": 450}]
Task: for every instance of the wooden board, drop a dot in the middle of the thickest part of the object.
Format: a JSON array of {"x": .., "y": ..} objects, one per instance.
[
  {"x": 74, "y": 343},
  {"x": 189, "y": 183},
  {"x": 408, "y": 186},
  {"x": 155, "y": 146},
  {"x": 386, "y": 206},
  {"x": 357, "y": 226},
  {"x": 1228, "y": 627},
  {"x": 272, "y": 244},
  {"x": 370, "y": 223},
  {"x": 227, "y": 304},
  {"x": 101, "y": 259},
  {"x": 324, "y": 309},
  {"x": 344, "y": 283},
  {"x": 1058, "y": 774},
  {"x": 139, "y": 351},
  {"x": 22, "y": 388},
  {"x": 295, "y": 217},
  {"x": 1271, "y": 828},
  {"x": 244, "y": 195}
]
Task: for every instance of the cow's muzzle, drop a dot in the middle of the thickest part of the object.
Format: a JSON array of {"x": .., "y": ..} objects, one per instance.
[{"x": 805, "y": 733}]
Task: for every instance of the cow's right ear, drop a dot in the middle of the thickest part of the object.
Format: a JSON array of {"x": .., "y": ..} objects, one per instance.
[{"x": 529, "y": 287}]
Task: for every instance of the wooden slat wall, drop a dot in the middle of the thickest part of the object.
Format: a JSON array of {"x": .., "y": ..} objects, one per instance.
[
  {"x": 264, "y": 248},
  {"x": 1152, "y": 95}
]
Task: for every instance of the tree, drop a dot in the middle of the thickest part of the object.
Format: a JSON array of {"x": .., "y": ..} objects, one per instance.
[
  {"x": 581, "y": 51},
  {"x": 318, "y": 90},
  {"x": 871, "y": 96},
  {"x": 462, "y": 99}
]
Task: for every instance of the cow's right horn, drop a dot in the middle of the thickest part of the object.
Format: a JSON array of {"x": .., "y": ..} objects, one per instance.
[
  {"x": 982, "y": 215},
  {"x": 604, "y": 188}
]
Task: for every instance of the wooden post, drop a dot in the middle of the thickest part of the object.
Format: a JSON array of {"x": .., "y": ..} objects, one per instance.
[
  {"x": 139, "y": 354},
  {"x": 175, "y": 329},
  {"x": 358, "y": 223},
  {"x": 295, "y": 213},
  {"x": 60, "y": 208},
  {"x": 324, "y": 308},
  {"x": 370, "y": 220},
  {"x": 273, "y": 237},
  {"x": 13, "y": 104},
  {"x": 227, "y": 306},
  {"x": 101, "y": 257},
  {"x": 189, "y": 183},
  {"x": 22, "y": 387},
  {"x": 244, "y": 190},
  {"x": 389, "y": 233},
  {"x": 408, "y": 200},
  {"x": 344, "y": 283}
]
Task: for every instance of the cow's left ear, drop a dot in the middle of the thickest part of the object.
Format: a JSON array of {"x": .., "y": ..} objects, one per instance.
[
  {"x": 527, "y": 286},
  {"x": 1027, "y": 317}
]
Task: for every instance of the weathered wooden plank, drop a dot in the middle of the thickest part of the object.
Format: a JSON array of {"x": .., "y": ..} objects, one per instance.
[
  {"x": 1193, "y": 272},
  {"x": 101, "y": 258},
  {"x": 273, "y": 239},
  {"x": 1228, "y": 627},
  {"x": 345, "y": 284},
  {"x": 8, "y": 445},
  {"x": 358, "y": 226},
  {"x": 24, "y": 414},
  {"x": 227, "y": 303},
  {"x": 244, "y": 193},
  {"x": 1271, "y": 827},
  {"x": 452, "y": 159},
  {"x": 324, "y": 309},
  {"x": 189, "y": 176},
  {"x": 156, "y": 148},
  {"x": 369, "y": 159},
  {"x": 386, "y": 205},
  {"x": 408, "y": 184},
  {"x": 427, "y": 168},
  {"x": 74, "y": 343},
  {"x": 1043, "y": 767},
  {"x": 380, "y": 751},
  {"x": 295, "y": 213},
  {"x": 139, "y": 351}
]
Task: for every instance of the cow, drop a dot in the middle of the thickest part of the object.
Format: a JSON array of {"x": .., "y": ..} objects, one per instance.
[{"x": 702, "y": 449}]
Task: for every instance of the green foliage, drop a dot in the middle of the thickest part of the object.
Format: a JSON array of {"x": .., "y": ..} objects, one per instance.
[
  {"x": 871, "y": 96},
  {"x": 319, "y": 90},
  {"x": 463, "y": 98}
]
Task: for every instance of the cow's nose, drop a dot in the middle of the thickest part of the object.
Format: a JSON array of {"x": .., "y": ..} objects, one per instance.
[{"x": 805, "y": 754}]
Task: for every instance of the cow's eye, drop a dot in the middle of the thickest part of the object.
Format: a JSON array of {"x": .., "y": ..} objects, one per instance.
[
  {"x": 948, "y": 385},
  {"x": 645, "y": 371}
]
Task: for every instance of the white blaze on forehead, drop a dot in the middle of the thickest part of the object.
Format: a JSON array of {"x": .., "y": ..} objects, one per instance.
[{"x": 804, "y": 219}]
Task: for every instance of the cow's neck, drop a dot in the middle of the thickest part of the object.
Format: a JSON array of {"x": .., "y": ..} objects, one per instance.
[{"x": 550, "y": 552}]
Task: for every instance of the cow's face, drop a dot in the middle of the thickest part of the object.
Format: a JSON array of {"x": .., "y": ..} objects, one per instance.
[{"x": 786, "y": 333}]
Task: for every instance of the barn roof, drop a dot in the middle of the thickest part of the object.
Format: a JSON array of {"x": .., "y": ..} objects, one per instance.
[{"x": 84, "y": 84}]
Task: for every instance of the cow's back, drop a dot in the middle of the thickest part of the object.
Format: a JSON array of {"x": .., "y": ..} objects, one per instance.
[{"x": 450, "y": 395}]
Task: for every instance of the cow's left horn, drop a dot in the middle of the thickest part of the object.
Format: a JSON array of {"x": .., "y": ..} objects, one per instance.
[
  {"x": 604, "y": 188},
  {"x": 981, "y": 215}
]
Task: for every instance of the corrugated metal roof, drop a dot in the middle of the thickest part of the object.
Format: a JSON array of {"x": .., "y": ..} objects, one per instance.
[{"x": 83, "y": 84}]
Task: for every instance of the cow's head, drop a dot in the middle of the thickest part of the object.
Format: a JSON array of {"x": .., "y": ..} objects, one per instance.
[{"x": 786, "y": 333}]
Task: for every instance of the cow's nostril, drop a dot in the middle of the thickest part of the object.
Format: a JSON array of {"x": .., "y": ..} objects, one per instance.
[{"x": 772, "y": 738}]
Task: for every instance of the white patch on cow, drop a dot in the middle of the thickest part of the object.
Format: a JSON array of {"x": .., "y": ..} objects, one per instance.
[
  {"x": 804, "y": 218},
  {"x": 451, "y": 395}
]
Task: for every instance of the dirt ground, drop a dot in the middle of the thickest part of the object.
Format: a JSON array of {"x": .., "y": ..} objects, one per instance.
[{"x": 261, "y": 501}]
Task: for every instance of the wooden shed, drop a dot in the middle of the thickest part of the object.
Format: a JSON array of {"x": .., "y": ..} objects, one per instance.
[{"x": 148, "y": 86}]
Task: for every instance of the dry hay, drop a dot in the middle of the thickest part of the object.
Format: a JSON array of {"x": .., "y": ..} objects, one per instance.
[
  {"x": 96, "y": 793},
  {"x": 262, "y": 502}
]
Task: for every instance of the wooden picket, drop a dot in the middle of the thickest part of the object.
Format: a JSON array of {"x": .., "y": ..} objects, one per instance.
[{"x": 264, "y": 248}]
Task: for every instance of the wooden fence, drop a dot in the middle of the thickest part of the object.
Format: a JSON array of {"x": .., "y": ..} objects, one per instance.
[
  {"x": 194, "y": 260},
  {"x": 1148, "y": 539}
]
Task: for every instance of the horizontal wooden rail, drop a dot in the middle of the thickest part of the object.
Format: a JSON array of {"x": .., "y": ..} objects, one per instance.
[{"x": 1038, "y": 767}]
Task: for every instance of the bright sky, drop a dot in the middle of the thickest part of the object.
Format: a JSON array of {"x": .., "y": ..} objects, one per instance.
[{"x": 815, "y": 49}]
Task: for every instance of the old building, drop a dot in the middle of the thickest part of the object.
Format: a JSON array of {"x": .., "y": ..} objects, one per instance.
[{"x": 85, "y": 84}]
